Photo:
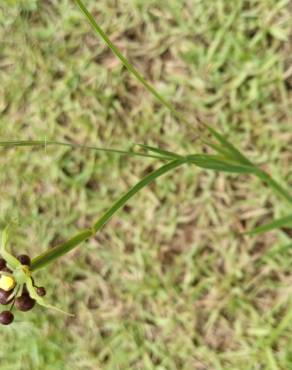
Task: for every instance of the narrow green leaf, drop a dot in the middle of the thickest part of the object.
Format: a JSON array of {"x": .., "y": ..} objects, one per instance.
[
  {"x": 236, "y": 154},
  {"x": 141, "y": 184},
  {"x": 40, "y": 300},
  {"x": 217, "y": 148},
  {"x": 239, "y": 157},
  {"x": 46, "y": 143},
  {"x": 58, "y": 251},
  {"x": 12, "y": 262},
  {"x": 217, "y": 163},
  {"x": 160, "y": 151},
  {"x": 281, "y": 222}
]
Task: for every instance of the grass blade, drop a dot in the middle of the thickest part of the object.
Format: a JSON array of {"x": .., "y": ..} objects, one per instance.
[
  {"x": 217, "y": 148},
  {"x": 281, "y": 222},
  {"x": 160, "y": 151},
  {"x": 232, "y": 152},
  {"x": 230, "y": 148},
  {"x": 218, "y": 163},
  {"x": 53, "y": 253},
  {"x": 141, "y": 184},
  {"x": 58, "y": 251},
  {"x": 46, "y": 143}
]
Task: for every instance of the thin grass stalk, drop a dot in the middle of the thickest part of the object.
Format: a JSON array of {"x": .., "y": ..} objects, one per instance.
[{"x": 45, "y": 143}]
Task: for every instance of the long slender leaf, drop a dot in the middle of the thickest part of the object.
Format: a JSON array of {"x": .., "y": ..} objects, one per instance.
[
  {"x": 12, "y": 262},
  {"x": 53, "y": 253},
  {"x": 234, "y": 152},
  {"x": 141, "y": 184},
  {"x": 217, "y": 148},
  {"x": 40, "y": 300},
  {"x": 217, "y": 163},
  {"x": 58, "y": 251},
  {"x": 160, "y": 151},
  {"x": 241, "y": 158},
  {"x": 276, "y": 224},
  {"x": 46, "y": 143}
]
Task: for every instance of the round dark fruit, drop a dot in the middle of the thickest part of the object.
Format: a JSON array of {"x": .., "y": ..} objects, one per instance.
[
  {"x": 24, "y": 303},
  {"x": 41, "y": 291},
  {"x": 2, "y": 263},
  {"x": 24, "y": 259},
  {"x": 6, "y": 317},
  {"x": 4, "y": 297}
]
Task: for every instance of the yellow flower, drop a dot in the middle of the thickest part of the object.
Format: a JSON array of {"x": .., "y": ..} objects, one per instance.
[{"x": 7, "y": 283}]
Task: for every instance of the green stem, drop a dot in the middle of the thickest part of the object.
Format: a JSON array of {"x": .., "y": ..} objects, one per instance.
[
  {"x": 58, "y": 251},
  {"x": 45, "y": 143}
]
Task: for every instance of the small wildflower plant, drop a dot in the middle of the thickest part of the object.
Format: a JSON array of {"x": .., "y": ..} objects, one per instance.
[{"x": 17, "y": 286}]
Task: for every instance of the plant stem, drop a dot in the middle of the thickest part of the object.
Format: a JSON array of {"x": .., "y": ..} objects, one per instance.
[{"x": 45, "y": 143}]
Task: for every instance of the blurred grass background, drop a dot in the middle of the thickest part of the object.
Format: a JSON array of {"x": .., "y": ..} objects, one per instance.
[{"x": 169, "y": 283}]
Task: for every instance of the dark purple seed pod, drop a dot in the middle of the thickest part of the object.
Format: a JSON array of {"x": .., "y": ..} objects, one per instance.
[
  {"x": 2, "y": 263},
  {"x": 41, "y": 291},
  {"x": 24, "y": 259},
  {"x": 4, "y": 297},
  {"x": 24, "y": 303},
  {"x": 6, "y": 317}
]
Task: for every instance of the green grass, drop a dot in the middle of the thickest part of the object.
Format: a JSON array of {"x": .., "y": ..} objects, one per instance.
[{"x": 169, "y": 283}]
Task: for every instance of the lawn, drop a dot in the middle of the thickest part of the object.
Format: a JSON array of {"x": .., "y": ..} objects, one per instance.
[{"x": 170, "y": 283}]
